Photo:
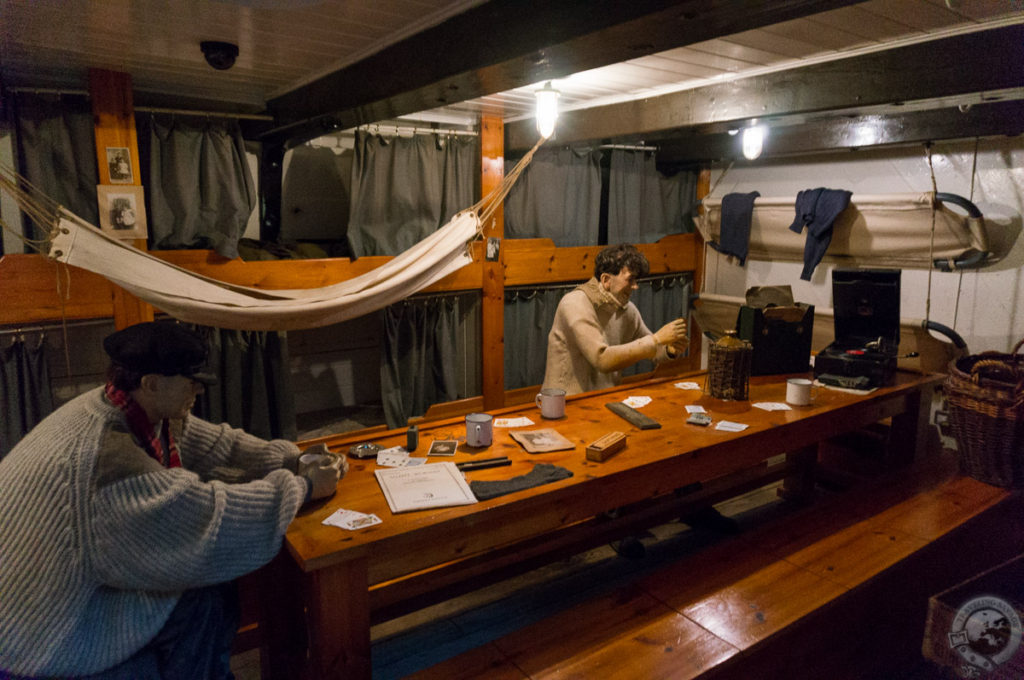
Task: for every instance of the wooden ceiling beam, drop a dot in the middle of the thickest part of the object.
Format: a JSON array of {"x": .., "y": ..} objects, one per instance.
[
  {"x": 982, "y": 62},
  {"x": 504, "y": 44}
]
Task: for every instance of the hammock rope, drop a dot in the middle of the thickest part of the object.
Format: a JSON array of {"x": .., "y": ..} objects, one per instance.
[{"x": 195, "y": 298}]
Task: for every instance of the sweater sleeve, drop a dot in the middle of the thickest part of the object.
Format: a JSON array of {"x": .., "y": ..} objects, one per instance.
[
  {"x": 168, "y": 530},
  {"x": 590, "y": 338},
  {"x": 206, "y": 446}
]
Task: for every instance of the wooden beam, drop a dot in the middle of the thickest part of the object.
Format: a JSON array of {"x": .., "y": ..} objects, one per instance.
[
  {"x": 492, "y": 346},
  {"x": 526, "y": 42},
  {"x": 114, "y": 116},
  {"x": 926, "y": 73}
]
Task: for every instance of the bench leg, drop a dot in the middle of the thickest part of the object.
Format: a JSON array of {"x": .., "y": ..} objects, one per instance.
[{"x": 909, "y": 434}]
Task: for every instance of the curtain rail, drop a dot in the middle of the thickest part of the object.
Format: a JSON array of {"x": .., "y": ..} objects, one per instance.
[
  {"x": 147, "y": 109},
  {"x": 13, "y": 329}
]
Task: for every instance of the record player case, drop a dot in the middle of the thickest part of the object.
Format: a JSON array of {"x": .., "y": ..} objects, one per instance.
[{"x": 867, "y": 326}]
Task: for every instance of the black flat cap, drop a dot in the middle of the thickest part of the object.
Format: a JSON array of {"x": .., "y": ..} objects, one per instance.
[{"x": 161, "y": 347}]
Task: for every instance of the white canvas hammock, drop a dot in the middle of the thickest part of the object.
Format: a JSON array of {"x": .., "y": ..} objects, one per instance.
[
  {"x": 195, "y": 298},
  {"x": 887, "y": 229}
]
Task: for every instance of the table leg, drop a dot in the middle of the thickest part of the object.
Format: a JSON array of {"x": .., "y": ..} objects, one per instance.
[
  {"x": 282, "y": 623},
  {"x": 909, "y": 433},
  {"x": 799, "y": 484},
  {"x": 338, "y": 617}
]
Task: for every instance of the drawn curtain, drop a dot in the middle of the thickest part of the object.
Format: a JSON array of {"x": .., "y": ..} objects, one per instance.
[
  {"x": 24, "y": 390},
  {"x": 643, "y": 204}
]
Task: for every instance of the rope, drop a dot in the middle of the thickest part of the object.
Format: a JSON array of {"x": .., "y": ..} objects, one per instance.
[{"x": 970, "y": 197}]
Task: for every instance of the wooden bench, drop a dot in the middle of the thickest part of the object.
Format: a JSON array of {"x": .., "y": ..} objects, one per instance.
[{"x": 829, "y": 591}]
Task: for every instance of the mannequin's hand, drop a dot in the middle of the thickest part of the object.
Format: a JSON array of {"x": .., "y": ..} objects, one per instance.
[{"x": 672, "y": 333}]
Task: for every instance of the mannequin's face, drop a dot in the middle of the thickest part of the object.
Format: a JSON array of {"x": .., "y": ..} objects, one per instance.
[
  {"x": 167, "y": 396},
  {"x": 621, "y": 285}
]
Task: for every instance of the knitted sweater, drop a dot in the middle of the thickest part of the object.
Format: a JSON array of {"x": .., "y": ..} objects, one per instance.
[
  {"x": 594, "y": 337},
  {"x": 98, "y": 540}
]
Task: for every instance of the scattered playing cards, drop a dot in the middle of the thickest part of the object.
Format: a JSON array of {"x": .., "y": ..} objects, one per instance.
[
  {"x": 772, "y": 406},
  {"x": 521, "y": 421},
  {"x": 351, "y": 520},
  {"x": 695, "y": 408},
  {"x": 729, "y": 426},
  {"x": 636, "y": 402},
  {"x": 397, "y": 456},
  {"x": 687, "y": 385}
]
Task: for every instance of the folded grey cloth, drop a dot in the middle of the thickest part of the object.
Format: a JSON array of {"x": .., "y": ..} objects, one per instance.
[{"x": 542, "y": 473}]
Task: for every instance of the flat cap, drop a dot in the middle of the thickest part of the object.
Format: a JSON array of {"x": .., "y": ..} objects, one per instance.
[{"x": 162, "y": 347}]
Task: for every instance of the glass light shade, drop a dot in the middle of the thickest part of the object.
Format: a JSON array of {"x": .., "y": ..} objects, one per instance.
[
  {"x": 547, "y": 110},
  {"x": 753, "y": 142}
]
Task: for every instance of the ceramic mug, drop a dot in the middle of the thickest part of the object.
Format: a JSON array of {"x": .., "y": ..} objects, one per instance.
[
  {"x": 308, "y": 461},
  {"x": 551, "y": 402},
  {"x": 798, "y": 391},
  {"x": 478, "y": 429}
]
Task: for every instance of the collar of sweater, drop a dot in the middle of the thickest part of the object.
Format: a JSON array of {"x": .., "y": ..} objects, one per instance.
[{"x": 598, "y": 296}]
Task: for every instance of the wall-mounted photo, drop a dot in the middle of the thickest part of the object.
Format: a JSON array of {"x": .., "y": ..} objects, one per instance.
[
  {"x": 119, "y": 161},
  {"x": 122, "y": 211}
]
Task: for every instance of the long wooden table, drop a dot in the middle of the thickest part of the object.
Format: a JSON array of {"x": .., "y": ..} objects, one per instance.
[{"x": 330, "y": 585}]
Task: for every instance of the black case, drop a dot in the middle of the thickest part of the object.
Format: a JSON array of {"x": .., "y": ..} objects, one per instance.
[
  {"x": 780, "y": 345},
  {"x": 867, "y": 310}
]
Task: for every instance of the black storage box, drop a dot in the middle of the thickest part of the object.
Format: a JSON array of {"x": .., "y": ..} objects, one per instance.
[
  {"x": 867, "y": 326},
  {"x": 780, "y": 336}
]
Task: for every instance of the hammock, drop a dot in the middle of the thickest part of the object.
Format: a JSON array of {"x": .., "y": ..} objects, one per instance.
[
  {"x": 195, "y": 298},
  {"x": 889, "y": 229}
]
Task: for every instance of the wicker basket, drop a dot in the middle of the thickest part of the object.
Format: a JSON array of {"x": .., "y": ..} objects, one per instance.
[
  {"x": 729, "y": 360},
  {"x": 985, "y": 393}
]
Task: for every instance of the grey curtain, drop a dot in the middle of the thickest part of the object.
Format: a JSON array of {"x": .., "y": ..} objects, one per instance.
[
  {"x": 405, "y": 188},
  {"x": 316, "y": 194},
  {"x": 661, "y": 299},
  {"x": 57, "y": 151},
  {"x": 643, "y": 204},
  {"x": 24, "y": 390},
  {"x": 529, "y": 314},
  {"x": 419, "y": 356},
  {"x": 254, "y": 389},
  {"x": 558, "y": 196},
  {"x": 199, "y": 188}
]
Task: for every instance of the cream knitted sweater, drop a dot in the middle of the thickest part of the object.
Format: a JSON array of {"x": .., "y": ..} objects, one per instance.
[
  {"x": 97, "y": 540},
  {"x": 594, "y": 337}
]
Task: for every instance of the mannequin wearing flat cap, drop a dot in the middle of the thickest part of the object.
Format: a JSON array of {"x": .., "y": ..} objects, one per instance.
[{"x": 121, "y": 538}]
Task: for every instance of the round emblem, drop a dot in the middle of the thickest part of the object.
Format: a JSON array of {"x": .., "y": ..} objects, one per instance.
[{"x": 985, "y": 632}]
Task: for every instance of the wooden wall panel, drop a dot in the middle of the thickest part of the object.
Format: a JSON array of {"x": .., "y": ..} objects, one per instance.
[{"x": 29, "y": 285}]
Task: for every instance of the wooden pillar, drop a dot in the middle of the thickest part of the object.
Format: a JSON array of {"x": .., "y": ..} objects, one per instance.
[
  {"x": 114, "y": 120},
  {"x": 703, "y": 189},
  {"x": 492, "y": 165}
]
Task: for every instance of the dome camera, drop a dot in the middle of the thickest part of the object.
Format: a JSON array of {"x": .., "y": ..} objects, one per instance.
[{"x": 219, "y": 55}]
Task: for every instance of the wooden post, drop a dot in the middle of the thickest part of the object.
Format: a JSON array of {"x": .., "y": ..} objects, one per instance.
[
  {"x": 703, "y": 189},
  {"x": 492, "y": 165},
  {"x": 114, "y": 121}
]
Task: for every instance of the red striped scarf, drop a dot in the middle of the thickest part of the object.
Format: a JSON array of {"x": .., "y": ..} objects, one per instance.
[{"x": 142, "y": 429}]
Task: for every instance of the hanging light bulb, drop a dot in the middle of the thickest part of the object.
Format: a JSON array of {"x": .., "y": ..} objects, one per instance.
[
  {"x": 547, "y": 110},
  {"x": 753, "y": 141}
]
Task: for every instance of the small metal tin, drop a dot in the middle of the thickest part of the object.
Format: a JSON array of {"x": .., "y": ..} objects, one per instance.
[{"x": 364, "y": 450}]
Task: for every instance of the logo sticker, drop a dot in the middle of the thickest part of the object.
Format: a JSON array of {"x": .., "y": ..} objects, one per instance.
[{"x": 985, "y": 632}]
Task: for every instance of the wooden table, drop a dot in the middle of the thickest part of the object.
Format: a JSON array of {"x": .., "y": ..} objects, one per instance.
[{"x": 349, "y": 580}]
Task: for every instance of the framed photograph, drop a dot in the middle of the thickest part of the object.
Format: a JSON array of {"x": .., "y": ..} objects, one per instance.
[
  {"x": 119, "y": 161},
  {"x": 122, "y": 211}
]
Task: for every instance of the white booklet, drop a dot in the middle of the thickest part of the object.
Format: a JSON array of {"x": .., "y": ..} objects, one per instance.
[{"x": 425, "y": 486}]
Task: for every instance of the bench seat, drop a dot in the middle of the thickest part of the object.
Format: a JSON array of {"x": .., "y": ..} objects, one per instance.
[{"x": 828, "y": 591}]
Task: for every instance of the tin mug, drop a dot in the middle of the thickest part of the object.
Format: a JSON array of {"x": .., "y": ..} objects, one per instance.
[
  {"x": 799, "y": 392},
  {"x": 551, "y": 402},
  {"x": 478, "y": 429}
]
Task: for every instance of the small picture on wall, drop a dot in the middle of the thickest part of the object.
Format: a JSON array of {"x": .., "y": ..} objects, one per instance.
[
  {"x": 119, "y": 161},
  {"x": 122, "y": 211}
]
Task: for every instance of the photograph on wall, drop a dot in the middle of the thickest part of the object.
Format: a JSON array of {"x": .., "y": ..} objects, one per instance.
[
  {"x": 119, "y": 161},
  {"x": 122, "y": 211}
]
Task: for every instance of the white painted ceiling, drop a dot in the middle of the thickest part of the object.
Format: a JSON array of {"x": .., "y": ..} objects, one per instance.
[{"x": 285, "y": 44}]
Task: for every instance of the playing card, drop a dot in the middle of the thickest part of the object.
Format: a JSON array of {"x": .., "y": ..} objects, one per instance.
[{"x": 352, "y": 520}]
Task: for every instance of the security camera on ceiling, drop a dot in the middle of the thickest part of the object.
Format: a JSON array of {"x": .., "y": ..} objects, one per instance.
[{"x": 220, "y": 55}]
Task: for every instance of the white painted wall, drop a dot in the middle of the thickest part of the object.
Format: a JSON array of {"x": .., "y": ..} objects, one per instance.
[{"x": 984, "y": 306}]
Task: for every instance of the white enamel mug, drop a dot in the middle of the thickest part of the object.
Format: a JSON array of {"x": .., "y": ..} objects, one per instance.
[
  {"x": 478, "y": 429},
  {"x": 551, "y": 402},
  {"x": 798, "y": 391}
]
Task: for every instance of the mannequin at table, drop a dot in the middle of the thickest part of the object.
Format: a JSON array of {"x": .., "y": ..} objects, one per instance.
[
  {"x": 597, "y": 332},
  {"x": 125, "y": 521}
]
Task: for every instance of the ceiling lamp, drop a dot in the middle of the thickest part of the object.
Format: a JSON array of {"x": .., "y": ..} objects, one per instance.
[
  {"x": 753, "y": 141},
  {"x": 547, "y": 110}
]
